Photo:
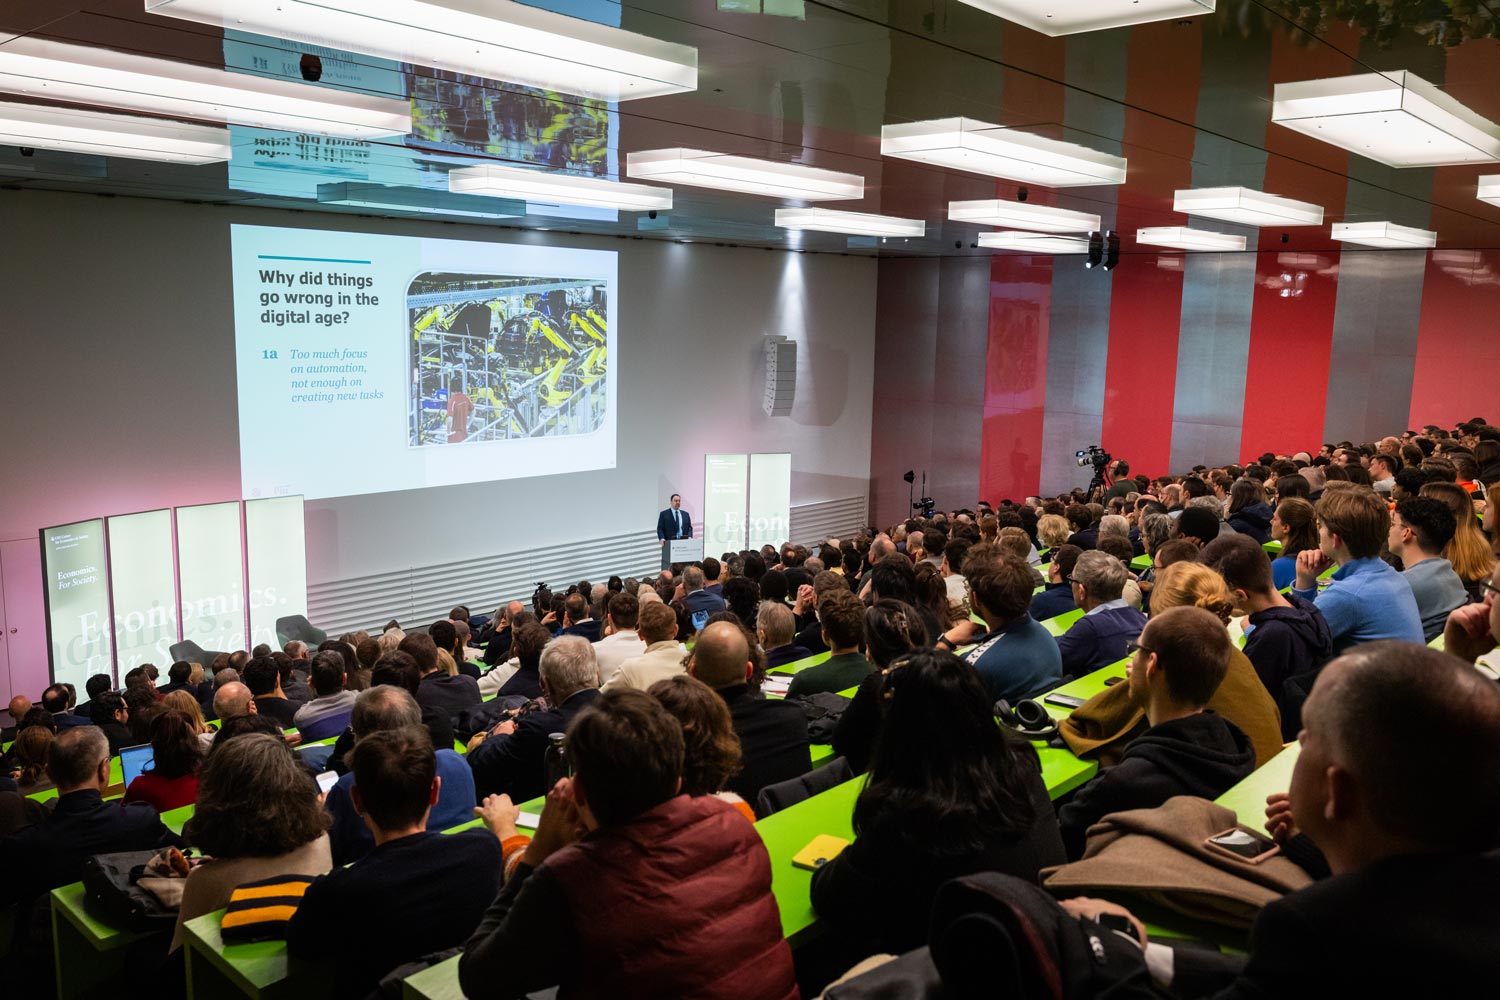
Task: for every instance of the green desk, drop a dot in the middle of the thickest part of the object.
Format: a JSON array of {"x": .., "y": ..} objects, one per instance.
[
  {"x": 1062, "y": 622},
  {"x": 116, "y": 784},
  {"x": 1248, "y": 798},
  {"x": 88, "y": 955},
  {"x": 1140, "y": 564},
  {"x": 787, "y": 832},
  {"x": 802, "y": 664},
  {"x": 1438, "y": 642},
  {"x": 1085, "y": 687},
  {"x": 1273, "y": 547},
  {"x": 440, "y": 982},
  {"x": 260, "y": 969},
  {"x": 176, "y": 819}
]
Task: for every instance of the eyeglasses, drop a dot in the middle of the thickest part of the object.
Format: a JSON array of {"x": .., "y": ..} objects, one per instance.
[
  {"x": 1131, "y": 648},
  {"x": 1491, "y": 587}
]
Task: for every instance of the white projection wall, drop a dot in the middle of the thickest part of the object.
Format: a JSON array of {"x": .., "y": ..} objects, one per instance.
[
  {"x": 770, "y": 509},
  {"x": 724, "y": 483},
  {"x": 275, "y": 554},
  {"x": 73, "y": 561},
  {"x": 143, "y": 587},
  {"x": 209, "y": 562}
]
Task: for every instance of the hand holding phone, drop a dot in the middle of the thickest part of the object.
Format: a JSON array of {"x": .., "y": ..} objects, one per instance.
[{"x": 1243, "y": 845}]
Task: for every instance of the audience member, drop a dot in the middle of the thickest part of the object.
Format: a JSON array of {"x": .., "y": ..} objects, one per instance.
[
  {"x": 263, "y": 678},
  {"x": 1469, "y": 550},
  {"x": 172, "y": 780},
  {"x": 415, "y": 892},
  {"x": 1248, "y": 512},
  {"x": 707, "y": 927},
  {"x": 528, "y": 641},
  {"x": 1366, "y": 599},
  {"x": 59, "y": 699},
  {"x": 843, "y": 618},
  {"x": 94, "y": 687},
  {"x": 623, "y": 640},
  {"x": 892, "y": 629},
  {"x": 1014, "y": 656},
  {"x": 447, "y": 693},
  {"x": 294, "y": 676},
  {"x": 400, "y": 670},
  {"x": 327, "y": 714},
  {"x": 1056, "y": 597},
  {"x": 657, "y": 625},
  {"x": 112, "y": 715},
  {"x": 578, "y": 618},
  {"x": 1421, "y": 528},
  {"x": 1108, "y": 623},
  {"x": 711, "y": 751},
  {"x": 381, "y": 709},
  {"x": 772, "y": 734},
  {"x": 776, "y": 629},
  {"x": 183, "y": 701},
  {"x": 1295, "y": 526},
  {"x": 949, "y": 793},
  {"x": 28, "y": 763},
  {"x": 1178, "y": 663},
  {"x": 257, "y": 817}
]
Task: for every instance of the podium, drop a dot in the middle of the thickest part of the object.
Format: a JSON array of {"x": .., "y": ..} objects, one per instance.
[{"x": 685, "y": 550}]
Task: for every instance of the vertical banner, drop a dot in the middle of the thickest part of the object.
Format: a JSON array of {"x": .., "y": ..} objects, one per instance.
[
  {"x": 143, "y": 587},
  {"x": 276, "y": 556},
  {"x": 212, "y": 572},
  {"x": 73, "y": 562},
  {"x": 770, "y": 500},
  {"x": 724, "y": 482}
]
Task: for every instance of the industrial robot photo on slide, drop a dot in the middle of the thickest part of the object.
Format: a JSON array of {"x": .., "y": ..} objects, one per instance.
[{"x": 499, "y": 357}]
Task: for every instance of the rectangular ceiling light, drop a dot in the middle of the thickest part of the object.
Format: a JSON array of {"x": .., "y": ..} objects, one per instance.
[
  {"x": 1386, "y": 235},
  {"x": 551, "y": 188},
  {"x": 82, "y": 74},
  {"x": 1068, "y": 17},
  {"x": 494, "y": 39},
  {"x": 829, "y": 220},
  {"x": 1183, "y": 238},
  {"x": 1033, "y": 243},
  {"x": 744, "y": 174},
  {"x": 981, "y": 148},
  {"x": 1489, "y": 189},
  {"x": 1039, "y": 218},
  {"x": 1246, "y": 207},
  {"x": 77, "y": 131},
  {"x": 1394, "y": 118},
  {"x": 410, "y": 199}
]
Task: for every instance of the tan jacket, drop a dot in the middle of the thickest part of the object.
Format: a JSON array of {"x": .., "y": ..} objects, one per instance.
[{"x": 660, "y": 661}]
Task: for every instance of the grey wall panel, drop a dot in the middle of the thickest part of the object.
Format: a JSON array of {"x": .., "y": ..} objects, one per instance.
[
  {"x": 1375, "y": 327},
  {"x": 1077, "y": 350}
]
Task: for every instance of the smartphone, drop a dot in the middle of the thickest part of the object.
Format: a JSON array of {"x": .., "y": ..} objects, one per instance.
[
  {"x": 327, "y": 780},
  {"x": 1064, "y": 700},
  {"x": 819, "y": 852},
  {"x": 1243, "y": 845},
  {"x": 1112, "y": 681}
]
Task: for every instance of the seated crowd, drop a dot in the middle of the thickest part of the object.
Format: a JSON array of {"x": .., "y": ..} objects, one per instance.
[{"x": 1289, "y": 599}]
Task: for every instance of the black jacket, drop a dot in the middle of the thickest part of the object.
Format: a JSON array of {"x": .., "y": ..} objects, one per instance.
[
  {"x": 773, "y": 741},
  {"x": 1286, "y": 642},
  {"x": 1202, "y": 755},
  {"x": 449, "y": 694},
  {"x": 1415, "y": 926},
  {"x": 858, "y": 728},
  {"x": 1253, "y": 520},
  {"x": 118, "y": 735},
  {"x": 515, "y": 765}
]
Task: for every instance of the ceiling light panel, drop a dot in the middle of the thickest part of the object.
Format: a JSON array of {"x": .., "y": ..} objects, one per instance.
[
  {"x": 1183, "y": 238},
  {"x": 495, "y": 39},
  {"x": 77, "y": 131},
  {"x": 425, "y": 200},
  {"x": 1394, "y": 118},
  {"x": 83, "y": 74},
  {"x": 829, "y": 220},
  {"x": 1034, "y": 243},
  {"x": 1246, "y": 207},
  {"x": 1489, "y": 189},
  {"x": 1385, "y": 235},
  {"x": 552, "y": 188},
  {"x": 743, "y": 175},
  {"x": 1068, "y": 17},
  {"x": 1038, "y": 218},
  {"x": 981, "y": 148}
]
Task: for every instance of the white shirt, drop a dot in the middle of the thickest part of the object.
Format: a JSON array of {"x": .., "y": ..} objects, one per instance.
[
  {"x": 492, "y": 680},
  {"x": 660, "y": 661},
  {"x": 613, "y": 650}
]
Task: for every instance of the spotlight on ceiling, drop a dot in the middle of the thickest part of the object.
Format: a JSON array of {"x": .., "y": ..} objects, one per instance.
[{"x": 1096, "y": 250}]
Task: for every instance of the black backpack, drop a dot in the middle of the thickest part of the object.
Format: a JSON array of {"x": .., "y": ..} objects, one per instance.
[
  {"x": 109, "y": 884},
  {"x": 823, "y": 711}
]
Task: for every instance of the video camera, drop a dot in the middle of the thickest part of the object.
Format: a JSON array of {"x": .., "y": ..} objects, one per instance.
[{"x": 1095, "y": 456}]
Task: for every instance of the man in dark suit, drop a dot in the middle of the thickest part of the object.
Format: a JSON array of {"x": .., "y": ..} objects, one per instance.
[
  {"x": 59, "y": 699},
  {"x": 772, "y": 733},
  {"x": 1398, "y": 785},
  {"x": 578, "y": 618},
  {"x": 509, "y": 759},
  {"x": 672, "y": 523}
]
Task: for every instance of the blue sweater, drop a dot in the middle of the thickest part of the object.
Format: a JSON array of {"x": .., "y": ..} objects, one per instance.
[
  {"x": 1098, "y": 639},
  {"x": 1016, "y": 660},
  {"x": 351, "y": 840},
  {"x": 1056, "y": 600},
  {"x": 1367, "y": 600},
  {"x": 1283, "y": 571}
]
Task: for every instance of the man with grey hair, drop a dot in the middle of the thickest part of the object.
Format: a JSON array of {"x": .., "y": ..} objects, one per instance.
[
  {"x": 509, "y": 758},
  {"x": 380, "y": 709},
  {"x": 776, "y": 628},
  {"x": 1098, "y": 638},
  {"x": 297, "y": 650},
  {"x": 230, "y": 700},
  {"x": 700, "y": 603}
]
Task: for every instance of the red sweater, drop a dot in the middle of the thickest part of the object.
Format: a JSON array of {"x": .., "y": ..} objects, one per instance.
[{"x": 163, "y": 794}]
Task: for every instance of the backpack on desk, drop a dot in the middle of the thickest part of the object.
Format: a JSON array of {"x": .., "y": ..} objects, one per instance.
[{"x": 110, "y": 883}]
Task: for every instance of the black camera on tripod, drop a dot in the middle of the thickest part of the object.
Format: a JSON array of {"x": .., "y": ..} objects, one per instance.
[{"x": 1095, "y": 456}]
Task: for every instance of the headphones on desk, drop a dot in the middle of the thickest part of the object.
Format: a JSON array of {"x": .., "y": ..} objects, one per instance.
[{"x": 1028, "y": 718}]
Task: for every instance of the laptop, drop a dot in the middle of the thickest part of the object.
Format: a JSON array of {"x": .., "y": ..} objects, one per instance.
[{"x": 134, "y": 761}]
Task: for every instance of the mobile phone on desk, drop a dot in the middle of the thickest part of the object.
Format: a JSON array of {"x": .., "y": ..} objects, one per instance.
[
  {"x": 1064, "y": 700},
  {"x": 819, "y": 852}
]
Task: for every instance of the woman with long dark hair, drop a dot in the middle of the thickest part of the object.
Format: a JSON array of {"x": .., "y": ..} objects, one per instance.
[
  {"x": 949, "y": 793},
  {"x": 892, "y": 629},
  {"x": 176, "y": 755},
  {"x": 1295, "y": 526}
]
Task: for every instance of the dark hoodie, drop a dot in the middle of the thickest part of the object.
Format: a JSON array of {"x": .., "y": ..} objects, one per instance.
[
  {"x": 1203, "y": 755},
  {"x": 1285, "y": 642},
  {"x": 1253, "y": 520}
]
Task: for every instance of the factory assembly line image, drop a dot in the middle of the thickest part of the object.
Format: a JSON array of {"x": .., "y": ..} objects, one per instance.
[{"x": 499, "y": 357}]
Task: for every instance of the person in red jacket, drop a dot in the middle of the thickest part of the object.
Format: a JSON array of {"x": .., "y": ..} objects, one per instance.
[
  {"x": 629, "y": 889},
  {"x": 176, "y": 755}
]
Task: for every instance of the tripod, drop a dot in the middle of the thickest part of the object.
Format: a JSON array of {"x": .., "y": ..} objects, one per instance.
[{"x": 1098, "y": 486}]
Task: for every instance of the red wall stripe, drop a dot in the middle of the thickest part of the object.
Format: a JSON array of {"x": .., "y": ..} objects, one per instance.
[
  {"x": 1458, "y": 355},
  {"x": 1015, "y": 382}
]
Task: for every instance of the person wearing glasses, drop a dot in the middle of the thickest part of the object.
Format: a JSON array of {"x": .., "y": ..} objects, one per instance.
[
  {"x": 1175, "y": 667},
  {"x": 1473, "y": 630}
]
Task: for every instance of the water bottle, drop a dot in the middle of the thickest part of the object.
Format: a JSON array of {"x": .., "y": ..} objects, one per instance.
[{"x": 555, "y": 764}]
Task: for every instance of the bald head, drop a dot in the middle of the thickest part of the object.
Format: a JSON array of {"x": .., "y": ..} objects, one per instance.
[
  {"x": 19, "y": 706},
  {"x": 721, "y": 658},
  {"x": 233, "y": 699}
]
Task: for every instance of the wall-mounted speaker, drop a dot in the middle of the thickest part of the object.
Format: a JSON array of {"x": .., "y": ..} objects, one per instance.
[{"x": 781, "y": 376}]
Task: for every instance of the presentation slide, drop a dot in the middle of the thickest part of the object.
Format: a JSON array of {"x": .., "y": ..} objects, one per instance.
[
  {"x": 211, "y": 574},
  {"x": 143, "y": 586},
  {"x": 724, "y": 481},
  {"x": 430, "y": 362},
  {"x": 73, "y": 562},
  {"x": 276, "y": 562},
  {"x": 770, "y": 508}
]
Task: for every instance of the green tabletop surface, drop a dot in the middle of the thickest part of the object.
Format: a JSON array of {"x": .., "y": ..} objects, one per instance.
[
  {"x": 439, "y": 982},
  {"x": 252, "y": 969},
  {"x": 1273, "y": 547},
  {"x": 1248, "y": 798},
  {"x": 176, "y": 819},
  {"x": 787, "y": 832},
  {"x": 69, "y": 903},
  {"x": 802, "y": 664},
  {"x": 1061, "y": 623},
  {"x": 1084, "y": 687},
  {"x": 1140, "y": 564}
]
